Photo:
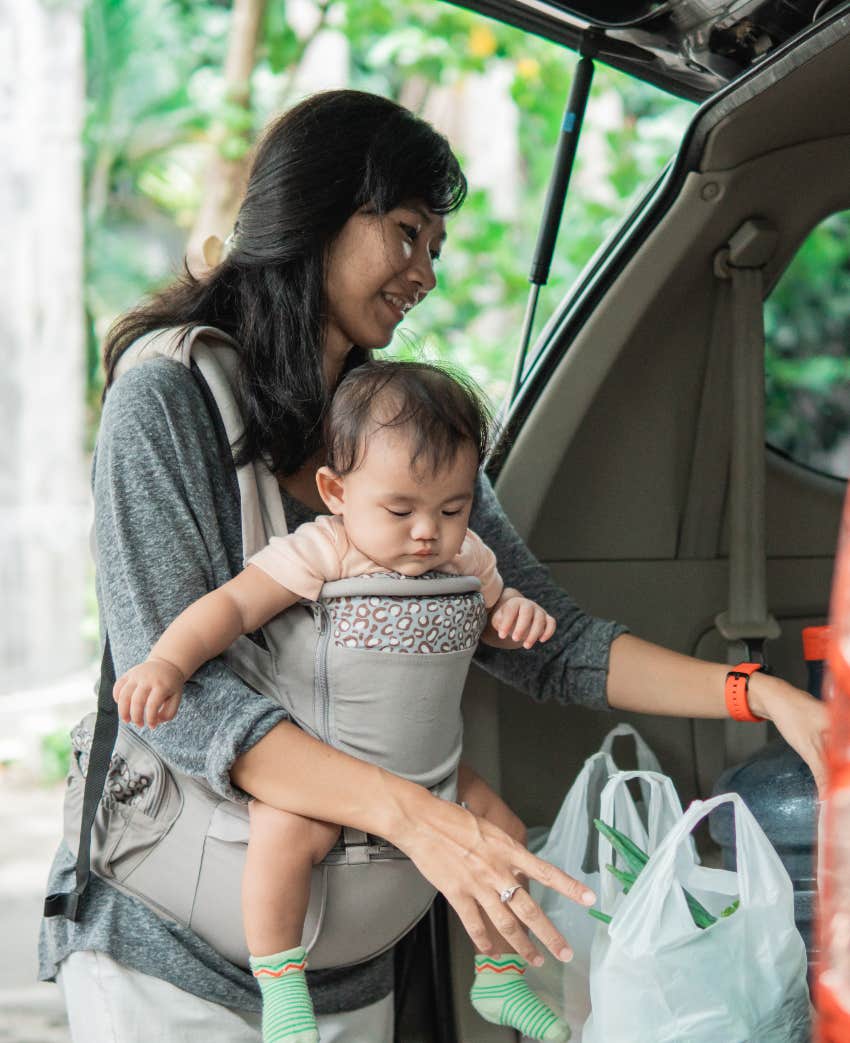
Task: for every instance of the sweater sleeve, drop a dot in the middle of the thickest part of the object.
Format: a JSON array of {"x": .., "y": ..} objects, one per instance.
[
  {"x": 572, "y": 666},
  {"x": 167, "y": 531}
]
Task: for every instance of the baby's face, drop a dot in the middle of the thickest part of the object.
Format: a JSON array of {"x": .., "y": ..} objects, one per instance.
[{"x": 408, "y": 522}]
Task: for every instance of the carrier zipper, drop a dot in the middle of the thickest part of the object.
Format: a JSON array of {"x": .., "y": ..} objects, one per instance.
[{"x": 322, "y": 695}]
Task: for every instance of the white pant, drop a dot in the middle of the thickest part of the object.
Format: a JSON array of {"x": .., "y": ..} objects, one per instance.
[{"x": 110, "y": 1003}]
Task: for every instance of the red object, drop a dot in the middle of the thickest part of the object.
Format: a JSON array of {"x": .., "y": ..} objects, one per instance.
[
  {"x": 815, "y": 642},
  {"x": 737, "y": 684},
  {"x": 832, "y": 975}
]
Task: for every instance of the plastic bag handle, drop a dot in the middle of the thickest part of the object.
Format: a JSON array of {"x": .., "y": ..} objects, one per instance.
[
  {"x": 571, "y": 830},
  {"x": 760, "y": 871},
  {"x": 664, "y": 810},
  {"x": 646, "y": 759}
]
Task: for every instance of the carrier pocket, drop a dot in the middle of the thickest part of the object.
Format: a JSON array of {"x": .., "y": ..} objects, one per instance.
[{"x": 139, "y": 805}]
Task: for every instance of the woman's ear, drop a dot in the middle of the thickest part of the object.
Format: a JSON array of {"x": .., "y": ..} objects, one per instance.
[{"x": 331, "y": 488}]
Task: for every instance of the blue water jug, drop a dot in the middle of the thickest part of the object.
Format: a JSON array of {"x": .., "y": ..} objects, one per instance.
[{"x": 779, "y": 789}]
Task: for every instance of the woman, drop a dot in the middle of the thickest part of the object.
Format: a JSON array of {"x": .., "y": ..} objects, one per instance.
[{"x": 337, "y": 238}]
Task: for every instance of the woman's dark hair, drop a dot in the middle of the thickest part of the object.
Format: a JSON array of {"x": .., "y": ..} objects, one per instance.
[
  {"x": 314, "y": 167},
  {"x": 441, "y": 410}
]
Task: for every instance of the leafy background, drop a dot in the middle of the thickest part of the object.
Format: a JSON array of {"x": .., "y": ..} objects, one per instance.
[{"x": 157, "y": 100}]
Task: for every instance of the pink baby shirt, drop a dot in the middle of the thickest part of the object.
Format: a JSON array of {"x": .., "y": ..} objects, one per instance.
[{"x": 320, "y": 551}]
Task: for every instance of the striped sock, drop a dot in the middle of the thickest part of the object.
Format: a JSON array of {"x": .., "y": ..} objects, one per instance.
[
  {"x": 501, "y": 995},
  {"x": 287, "y": 1008}
]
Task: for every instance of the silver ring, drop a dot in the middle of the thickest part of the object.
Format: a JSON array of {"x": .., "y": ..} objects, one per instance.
[{"x": 508, "y": 893}]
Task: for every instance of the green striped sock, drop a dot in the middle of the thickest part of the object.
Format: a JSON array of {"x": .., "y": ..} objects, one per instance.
[
  {"x": 287, "y": 1008},
  {"x": 501, "y": 995}
]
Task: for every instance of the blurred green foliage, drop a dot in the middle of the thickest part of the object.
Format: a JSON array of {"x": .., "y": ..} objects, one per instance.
[
  {"x": 155, "y": 73},
  {"x": 55, "y": 756},
  {"x": 155, "y": 86},
  {"x": 807, "y": 333}
]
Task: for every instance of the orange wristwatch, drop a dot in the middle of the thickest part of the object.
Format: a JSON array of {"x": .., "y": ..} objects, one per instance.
[{"x": 737, "y": 683}]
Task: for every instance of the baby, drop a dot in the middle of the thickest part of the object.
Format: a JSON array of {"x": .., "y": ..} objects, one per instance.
[{"x": 404, "y": 442}]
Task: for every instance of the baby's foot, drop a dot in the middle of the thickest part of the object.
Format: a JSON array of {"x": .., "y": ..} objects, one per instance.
[
  {"x": 501, "y": 995},
  {"x": 287, "y": 1008}
]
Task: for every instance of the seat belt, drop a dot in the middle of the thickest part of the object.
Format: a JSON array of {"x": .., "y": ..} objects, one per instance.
[
  {"x": 736, "y": 355},
  {"x": 747, "y": 620}
]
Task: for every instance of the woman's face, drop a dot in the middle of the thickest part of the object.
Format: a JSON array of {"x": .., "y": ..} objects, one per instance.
[{"x": 379, "y": 267}]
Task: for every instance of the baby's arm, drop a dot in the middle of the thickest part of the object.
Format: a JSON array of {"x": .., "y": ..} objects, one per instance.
[
  {"x": 513, "y": 621},
  {"x": 150, "y": 692},
  {"x": 485, "y": 802},
  {"x": 517, "y": 622}
]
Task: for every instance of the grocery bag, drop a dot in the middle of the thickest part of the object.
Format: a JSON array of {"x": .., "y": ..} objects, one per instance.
[
  {"x": 656, "y": 977},
  {"x": 572, "y": 845}
]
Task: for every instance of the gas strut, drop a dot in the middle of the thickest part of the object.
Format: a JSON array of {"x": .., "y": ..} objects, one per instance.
[{"x": 557, "y": 193}]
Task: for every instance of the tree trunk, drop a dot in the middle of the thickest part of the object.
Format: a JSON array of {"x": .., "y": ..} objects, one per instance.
[{"x": 225, "y": 179}]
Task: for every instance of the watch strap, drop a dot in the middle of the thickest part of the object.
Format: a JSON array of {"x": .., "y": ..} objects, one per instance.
[{"x": 737, "y": 687}]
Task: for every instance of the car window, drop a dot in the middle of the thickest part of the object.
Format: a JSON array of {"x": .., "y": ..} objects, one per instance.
[
  {"x": 630, "y": 132},
  {"x": 807, "y": 352}
]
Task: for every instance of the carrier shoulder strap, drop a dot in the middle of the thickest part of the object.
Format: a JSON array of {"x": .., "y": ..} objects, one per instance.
[
  {"x": 216, "y": 356},
  {"x": 105, "y": 730}
]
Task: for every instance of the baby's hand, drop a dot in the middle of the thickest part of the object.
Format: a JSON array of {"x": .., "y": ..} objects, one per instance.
[
  {"x": 523, "y": 621},
  {"x": 149, "y": 693}
]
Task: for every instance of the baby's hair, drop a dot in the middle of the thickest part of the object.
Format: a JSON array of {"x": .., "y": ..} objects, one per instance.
[{"x": 441, "y": 409}]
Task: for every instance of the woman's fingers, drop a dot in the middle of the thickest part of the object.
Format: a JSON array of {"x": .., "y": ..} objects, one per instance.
[
  {"x": 474, "y": 923},
  {"x": 504, "y": 917},
  {"x": 511, "y": 918},
  {"x": 527, "y": 910},
  {"x": 473, "y": 861},
  {"x": 550, "y": 876}
]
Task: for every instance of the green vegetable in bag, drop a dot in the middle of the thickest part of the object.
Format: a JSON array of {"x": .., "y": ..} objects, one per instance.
[{"x": 636, "y": 859}]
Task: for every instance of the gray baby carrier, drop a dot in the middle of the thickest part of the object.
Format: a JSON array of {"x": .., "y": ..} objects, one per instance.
[{"x": 374, "y": 667}]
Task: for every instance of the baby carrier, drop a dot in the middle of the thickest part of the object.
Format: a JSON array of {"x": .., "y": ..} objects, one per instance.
[{"x": 374, "y": 667}]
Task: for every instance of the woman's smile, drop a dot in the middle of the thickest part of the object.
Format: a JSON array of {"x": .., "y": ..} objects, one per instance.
[{"x": 399, "y": 305}]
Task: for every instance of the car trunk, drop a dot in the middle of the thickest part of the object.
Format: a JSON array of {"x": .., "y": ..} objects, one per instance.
[
  {"x": 599, "y": 474},
  {"x": 692, "y": 48}
]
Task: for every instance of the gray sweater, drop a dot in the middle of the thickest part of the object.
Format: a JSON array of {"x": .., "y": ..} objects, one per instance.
[{"x": 167, "y": 528}]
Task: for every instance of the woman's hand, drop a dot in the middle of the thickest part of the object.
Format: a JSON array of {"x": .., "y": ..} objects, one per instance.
[
  {"x": 801, "y": 719},
  {"x": 471, "y": 860},
  {"x": 646, "y": 678}
]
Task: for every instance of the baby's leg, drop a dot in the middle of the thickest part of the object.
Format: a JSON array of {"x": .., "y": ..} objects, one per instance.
[
  {"x": 502, "y": 996},
  {"x": 282, "y": 850}
]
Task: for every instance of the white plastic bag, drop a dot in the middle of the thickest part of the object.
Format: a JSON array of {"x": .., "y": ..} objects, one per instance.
[
  {"x": 655, "y": 977},
  {"x": 572, "y": 844}
]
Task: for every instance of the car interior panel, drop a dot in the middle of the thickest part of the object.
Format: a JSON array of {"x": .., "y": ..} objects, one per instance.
[{"x": 597, "y": 473}]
